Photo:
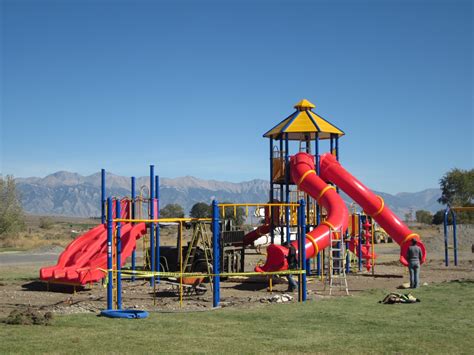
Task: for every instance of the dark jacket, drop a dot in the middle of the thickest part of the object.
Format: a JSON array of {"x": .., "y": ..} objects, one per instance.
[{"x": 292, "y": 260}]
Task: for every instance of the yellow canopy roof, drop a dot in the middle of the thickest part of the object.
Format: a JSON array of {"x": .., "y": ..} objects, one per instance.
[{"x": 304, "y": 122}]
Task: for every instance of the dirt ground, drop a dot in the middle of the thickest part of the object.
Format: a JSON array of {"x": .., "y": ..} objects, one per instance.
[{"x": 18, "y": 291}]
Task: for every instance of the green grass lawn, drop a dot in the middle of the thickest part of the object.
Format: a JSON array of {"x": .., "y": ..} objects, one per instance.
[{"x": 441, "y": 323}]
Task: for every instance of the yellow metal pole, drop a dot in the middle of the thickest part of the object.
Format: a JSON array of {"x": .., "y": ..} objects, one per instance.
[{"x": 373, "y": 249}]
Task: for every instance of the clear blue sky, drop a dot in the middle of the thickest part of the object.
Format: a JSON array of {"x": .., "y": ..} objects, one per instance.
[{"x": 191, "y": 86}]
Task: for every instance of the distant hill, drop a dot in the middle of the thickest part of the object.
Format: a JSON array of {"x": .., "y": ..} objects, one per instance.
[{"x": 70, "y": 194}]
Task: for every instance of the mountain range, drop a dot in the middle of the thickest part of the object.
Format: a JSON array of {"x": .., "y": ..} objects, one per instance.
[{"x": 70, "y": 194}]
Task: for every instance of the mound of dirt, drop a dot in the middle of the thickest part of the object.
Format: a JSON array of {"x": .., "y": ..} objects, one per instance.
[{"x": 29, "y": 317}]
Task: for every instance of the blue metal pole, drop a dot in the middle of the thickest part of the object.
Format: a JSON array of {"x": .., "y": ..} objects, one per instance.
[
  {"x": 272, "y": 232},
  {"x": 110, "y": 284},
  {"x": 132, "y": 207},
  {"x": 455, "y": 241},
  {"x": 102, "y": 196},
  {"x": 216, "y": 254},
  {"x": 118, "y": 252},
  {"x": 282, "y": 195},
  {"x": 287, "y": 184},
  {"x": 446, "y": 255},
  {"x": 302, "y": 249},
  {"x": 157, "y": 255},
  {"x": 152, "y": 224},
  {"x": 336, "y": 141}
]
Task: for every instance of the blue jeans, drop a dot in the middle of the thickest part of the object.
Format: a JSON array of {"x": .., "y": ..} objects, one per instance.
[
  {"x": 292, "y": 285},
  {"x": 414, "y": 270}
]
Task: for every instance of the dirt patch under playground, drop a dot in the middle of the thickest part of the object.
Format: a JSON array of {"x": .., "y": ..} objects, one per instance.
[{"x": 20, "y": 292}]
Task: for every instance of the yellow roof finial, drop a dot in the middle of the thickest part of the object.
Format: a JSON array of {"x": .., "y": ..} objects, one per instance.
[{"x": 304, "y": 105}]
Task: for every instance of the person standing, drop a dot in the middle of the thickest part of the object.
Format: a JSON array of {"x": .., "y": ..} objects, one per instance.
[
  {"x": 414, "y": 257},
  {"x": 292, "y": 265}
]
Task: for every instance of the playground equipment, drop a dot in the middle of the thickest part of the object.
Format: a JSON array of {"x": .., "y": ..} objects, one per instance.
[
  {"x": 309, "y": 173},
  {"x": 303, "y": 201},
  {"x": 81, "y": 261},
  {"x": 114, "y": 271},
  {"x": 452, "y": 211}
]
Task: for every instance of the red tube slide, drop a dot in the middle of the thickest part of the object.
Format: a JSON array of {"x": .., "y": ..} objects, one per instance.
[
  {"x": 304, "y": 175},
  {"x": 373, "y": 205}
]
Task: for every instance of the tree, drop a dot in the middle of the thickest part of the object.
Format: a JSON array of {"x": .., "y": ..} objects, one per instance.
[
  {"x": 11, "y": 212},
  {"x": 172, "y": 210},
  {"x": 438, "y": 218},
  {"x": 408, "y": 216},
  {"x": 457, "y": 188},
  {"x": 238, "y": 217},
  {"x": 423, "y": 216},
  {"x": 201, "y": 210}
]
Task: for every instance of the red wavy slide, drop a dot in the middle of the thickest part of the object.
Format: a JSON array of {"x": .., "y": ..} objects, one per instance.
[
  {"x": 304, "y": 175},
  {"x": 373, "y": 205},
  {"x": 81, "y": 261}
]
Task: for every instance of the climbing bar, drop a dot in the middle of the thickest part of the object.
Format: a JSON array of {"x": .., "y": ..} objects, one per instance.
[
  {"x": 149, "y": 274},
  {"x": 221, "y": 205},
  {"x": 462, "y": 209},
  {"x": 162, "y": 220},
  {"x": 379, "y": 211}
]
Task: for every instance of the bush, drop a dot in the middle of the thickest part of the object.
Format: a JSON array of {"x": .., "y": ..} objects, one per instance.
[
  {"x": 423, "y": 217},
  {"x": 172, "y": 210},
  {"x": 45, "y": 223},
  {"x": 11, "y": 213}
]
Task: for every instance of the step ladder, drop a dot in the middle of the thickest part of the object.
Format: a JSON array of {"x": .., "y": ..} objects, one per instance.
[
  {"x": 201, "y": 237},
  {"x": 336, "y": 263}
]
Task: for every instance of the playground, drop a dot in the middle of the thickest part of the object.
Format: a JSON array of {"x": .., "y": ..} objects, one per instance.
[
  {"x": 136, "y": 261},
  {"x": 21, "y": 289},
  {"x": 181, "y": 273}
]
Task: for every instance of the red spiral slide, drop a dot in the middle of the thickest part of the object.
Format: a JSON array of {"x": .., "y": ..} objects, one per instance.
[
  {"x": 304, "y": 175},
  {"x": 373, "y": 205}
]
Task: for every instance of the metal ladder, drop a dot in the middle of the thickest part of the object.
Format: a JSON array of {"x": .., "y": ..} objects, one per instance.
[
  {"x": 336, "y": 265},
  {"x": 200, "y": 235}
]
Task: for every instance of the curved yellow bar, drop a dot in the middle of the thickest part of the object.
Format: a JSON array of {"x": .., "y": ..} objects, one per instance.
[
  {"x": 409, "y": 237},
  {"x": 379, "y": 211},
  {"x": 326, "y": 223},
  {"x": 305, "y": 175},
  {"x": 315, "y": 245},
  {"x": 326, "y": 189}
]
